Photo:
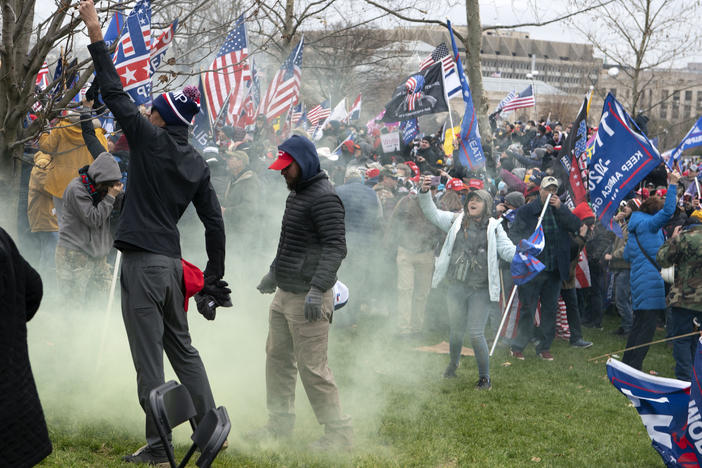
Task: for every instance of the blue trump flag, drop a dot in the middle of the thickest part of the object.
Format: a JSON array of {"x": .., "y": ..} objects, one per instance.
[
  {"x": 201, "y": 130},
  {"x": 409, "y": 129},
  {"x": 692, "y": 139},
  {"x": 525, "y": 266},
  {"x": 470, "y": 150},
  {"x": 622, "y": 157},
  {"x": 669, "y": 409},
  {"x": 115, "y": 28}
]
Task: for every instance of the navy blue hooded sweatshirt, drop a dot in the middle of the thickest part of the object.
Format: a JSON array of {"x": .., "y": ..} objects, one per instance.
[{"x": 312, "y": 239}]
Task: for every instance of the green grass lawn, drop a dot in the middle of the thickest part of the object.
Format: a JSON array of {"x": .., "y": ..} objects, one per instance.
[{"x": 562, "y": 413}]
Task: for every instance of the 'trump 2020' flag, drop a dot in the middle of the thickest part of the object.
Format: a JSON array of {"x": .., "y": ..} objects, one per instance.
[
  {"x": 623, "y": 156},
  {"x": 470, "y": 150},
  {"x": 669, "y": 409},
  {"x": 409, "y": 129},
  {"x": 161, "y": 45},
  {"x": 525, "y": 266},
  {"x": 201, "y": 130},
  {"x": 133, "y": 57},
  {"x": 692, "y": 139},
  {"x": 420, "y": 94}
]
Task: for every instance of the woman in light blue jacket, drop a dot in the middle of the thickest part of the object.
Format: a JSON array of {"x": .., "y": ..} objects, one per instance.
[{"x": 468, "y": 262}]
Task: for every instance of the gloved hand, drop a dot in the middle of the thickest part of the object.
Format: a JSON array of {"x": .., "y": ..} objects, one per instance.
[
  {"x": 267, "y": 284},
  {"x": 313, "y": 305},
  {"x": 206, "y": 305},
  {"x": 217, "y": 289}
]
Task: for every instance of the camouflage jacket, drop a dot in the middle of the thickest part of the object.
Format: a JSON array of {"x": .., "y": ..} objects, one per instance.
[{"x": 685, "y": 252}]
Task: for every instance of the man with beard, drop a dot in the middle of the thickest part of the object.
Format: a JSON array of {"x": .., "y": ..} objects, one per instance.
[{"x": 311, "y": 247}]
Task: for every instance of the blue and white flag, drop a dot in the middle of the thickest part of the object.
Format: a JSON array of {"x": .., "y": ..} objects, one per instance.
[
  {"x": 692, "y": 139},
  {"x": 115, "y": 28},
  {"x": 409, "y": 129},
  {"x": 201, "y": 130},
  {"x": 669, "y": 410},
  {"x": 470, "y": 150},
  {"x": 525, "y": 266},
  {"x": 622, "y": 157}
]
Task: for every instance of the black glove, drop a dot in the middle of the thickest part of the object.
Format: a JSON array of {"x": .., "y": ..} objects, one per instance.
[
  {"x": 206, "y": 305},
  {"x": 217, "y": 289},
  {"x": 313, "y": 305},
  {"x": 267, "y": 284}
]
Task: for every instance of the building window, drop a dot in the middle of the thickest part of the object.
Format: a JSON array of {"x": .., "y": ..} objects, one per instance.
[
  {"x": 688, "y": 96},
  {"x": 663, "y": 111},
  {"x": 675, "y": 114},
  {"x": 688, "y": 110}
]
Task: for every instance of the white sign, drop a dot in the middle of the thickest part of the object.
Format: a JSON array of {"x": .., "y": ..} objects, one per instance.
[{"x": 390, "y": 142}]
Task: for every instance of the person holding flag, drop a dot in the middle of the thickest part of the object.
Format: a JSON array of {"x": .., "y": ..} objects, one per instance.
[
  {"x": 557, "y": 225},
  {"x": 469, "y": 263}
]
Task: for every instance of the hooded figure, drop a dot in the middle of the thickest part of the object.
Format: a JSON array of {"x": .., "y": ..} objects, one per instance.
[
  {"x": 469, "y": 262},
  {"x": 311, "y": 247}
]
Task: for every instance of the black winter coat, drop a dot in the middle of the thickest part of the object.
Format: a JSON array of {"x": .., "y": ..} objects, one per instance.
[
  {"x": 165, "y": 174},
  {"x": 23, "y": 433},
  {"x": 312, "y": 239},
  {"x": 525, "y": 224}
]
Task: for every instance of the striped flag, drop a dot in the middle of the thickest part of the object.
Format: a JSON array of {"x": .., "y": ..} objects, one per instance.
[
  {"x": 161, "y": 45},
  {"x": 296, "y": 113},
  {"x": 318, "y": 113},
  {"x": 451, "y": 79},
  {"x": 42, "y": 80},
  {"x": 522, "y": 100},
  {"x": 284, "y": 89},
  {"x": 512, "y": 94},
  {"x": 224, "y": 79},
  {"x": 133, "y": 56}
]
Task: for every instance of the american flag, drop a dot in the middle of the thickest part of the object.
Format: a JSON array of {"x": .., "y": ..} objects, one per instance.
[
  {"x": 43, "y": 77},
  {"x": 521, "y": 101},
  {"x": 285, "y": 86},
  {"x": 441, "y": 53},
  {"x": 512, "y": 94},
  {"x": 228, "y": 73},
  {"x": 249, "y": 108},
  {"x": 318, "y": 113},
  {"x": 296, "y": 113},
  {"x": 414, "y": 85},
  {"x": 133, "y": 57}
]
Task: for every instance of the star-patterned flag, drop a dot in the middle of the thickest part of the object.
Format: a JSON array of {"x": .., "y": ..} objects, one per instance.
[
  {"x": 284, "y": 89},
  {"x": 296, "y": 113},
  {"x": 134, "y": 68},
  {"x": 441, "y": 54},
  {"x": 320, "y": 112},
  {"x": 225, "y": 79}
]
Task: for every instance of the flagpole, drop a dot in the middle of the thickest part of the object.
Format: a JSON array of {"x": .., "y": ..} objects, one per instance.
[{"x": 514, "y": 288}]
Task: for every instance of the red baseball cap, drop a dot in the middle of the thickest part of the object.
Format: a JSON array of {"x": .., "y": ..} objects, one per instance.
[
  {"x": 456, "y": 184},
  {"x": 475, "y": 184},
  {"x": 282, "y": 161}
]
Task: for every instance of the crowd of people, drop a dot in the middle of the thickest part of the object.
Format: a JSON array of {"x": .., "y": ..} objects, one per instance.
[{"x": 414, "y": 235}]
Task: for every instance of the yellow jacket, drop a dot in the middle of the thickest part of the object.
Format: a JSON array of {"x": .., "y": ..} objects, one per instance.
[
  {"x": 67, "y": 148},
  {"x": 40, "y": 205}
]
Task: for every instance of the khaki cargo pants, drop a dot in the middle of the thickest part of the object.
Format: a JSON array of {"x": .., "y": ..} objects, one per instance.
[{"x": 293, "y": 345}]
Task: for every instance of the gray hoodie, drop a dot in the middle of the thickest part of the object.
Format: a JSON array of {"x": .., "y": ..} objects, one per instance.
[{"x": 83, "y": 226}]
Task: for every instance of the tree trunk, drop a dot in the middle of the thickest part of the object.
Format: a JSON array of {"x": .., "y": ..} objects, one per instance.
[
  {"x": 472, "y": 42},
  {"x": 288, "y": 26}
]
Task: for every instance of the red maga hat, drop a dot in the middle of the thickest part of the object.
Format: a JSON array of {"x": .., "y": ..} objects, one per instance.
[{"x": 282, "y": 161}]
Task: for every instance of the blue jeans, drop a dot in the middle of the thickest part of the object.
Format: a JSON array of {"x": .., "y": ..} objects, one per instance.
[
  {"x": 545, "y": 287},
  {"x": 684, "y": 348},
  {"x": 622, "y": 293},
  {"x": 468, "y": 309}
]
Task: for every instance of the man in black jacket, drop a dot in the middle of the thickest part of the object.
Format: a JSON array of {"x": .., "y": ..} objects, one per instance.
[
  {"x": 557, "y": 223},
  {"x": 165, "y": 175},
  {"x": 311, "y": 247}
]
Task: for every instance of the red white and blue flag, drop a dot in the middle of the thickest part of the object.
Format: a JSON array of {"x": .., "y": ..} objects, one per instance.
[
  {"x": 441, "y": 54},
  {"x": 319, "y": 113},
  {"x": 161, "y": 45},
  {"x": 520, "y": 101},
  {"x": 669, "y": 410},
  {"x": 525, "y": 266},
  {"x": 252, "y": 101},
  {"x": 133, "y": 57},
  {"x": 284, "y": 90},
  {"x": 43, "y": 77},
  {"x": 226, "y": 78},
  {"x": 355, "y": 111}
]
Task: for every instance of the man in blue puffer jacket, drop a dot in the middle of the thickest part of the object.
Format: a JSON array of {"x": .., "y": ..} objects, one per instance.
[{"x": 647, "y": 288}]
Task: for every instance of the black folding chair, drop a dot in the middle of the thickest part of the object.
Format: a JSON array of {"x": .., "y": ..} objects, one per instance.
[{"x": 171, "y": 405}]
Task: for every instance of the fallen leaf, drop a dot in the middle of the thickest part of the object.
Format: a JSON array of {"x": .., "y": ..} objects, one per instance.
[
  {"x": 506, "y": 364},
  {"x": 536, "y": 459}
]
